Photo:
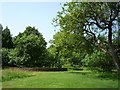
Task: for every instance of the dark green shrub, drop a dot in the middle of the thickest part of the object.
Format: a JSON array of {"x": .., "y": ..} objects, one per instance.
[
  {"x": 5, "y": 58},
  {"x": 9, "y": 58},
  {"x": 99, "y": 61}
]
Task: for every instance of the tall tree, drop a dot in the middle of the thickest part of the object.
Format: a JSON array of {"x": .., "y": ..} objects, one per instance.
[
  {"x": 7, "y": 39},
  {"x": 66, "y": 48},
  {"x": 0, "y": 43},
  {"x": 1, "y": 28},
  {"x": 92, "y": 20}
]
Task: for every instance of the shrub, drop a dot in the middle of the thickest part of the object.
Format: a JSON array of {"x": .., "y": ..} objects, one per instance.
[
  {"x": 99, "y": 61},
  {"x": 5, "y": 58},
  {"x": 15, "y": 60}
]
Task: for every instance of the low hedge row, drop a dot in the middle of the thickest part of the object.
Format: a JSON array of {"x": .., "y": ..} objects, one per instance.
[{"x": 45, "y": 69}]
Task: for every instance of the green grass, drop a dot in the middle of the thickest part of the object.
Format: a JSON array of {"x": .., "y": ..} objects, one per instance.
[
  {"x": 67, "y": 79},
  {"x": 13, "y": 73}
]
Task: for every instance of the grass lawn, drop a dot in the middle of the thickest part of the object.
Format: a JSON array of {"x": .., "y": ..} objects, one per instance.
[{"x": 15, "y": 78}]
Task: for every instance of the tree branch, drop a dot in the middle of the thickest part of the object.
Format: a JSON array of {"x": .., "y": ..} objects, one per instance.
[
  {"x": 98, "y": 24},
  {"x": 104, "y": 50},
  {"x": 90, "y": 33}
]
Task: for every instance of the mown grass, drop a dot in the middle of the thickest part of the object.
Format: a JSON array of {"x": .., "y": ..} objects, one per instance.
[{"x": 66, "y": 79}]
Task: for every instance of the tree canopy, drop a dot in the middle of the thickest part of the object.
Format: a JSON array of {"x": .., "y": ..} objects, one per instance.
[
  {"x": 30, "y": 47},
  {"x": 90, "y": 21},
  {"x": 7, "y": 38}
]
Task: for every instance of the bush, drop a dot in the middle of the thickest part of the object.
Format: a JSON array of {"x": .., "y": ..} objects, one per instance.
[
  {"x": 5, "y": 58},
  {"x": 9, "y": 57},
  {"x": 99, "y": 61},
  {"x": 15, "y": 60}
]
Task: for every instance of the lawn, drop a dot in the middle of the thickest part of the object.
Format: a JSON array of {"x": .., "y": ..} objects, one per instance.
[{"x": 15, "y": 78}]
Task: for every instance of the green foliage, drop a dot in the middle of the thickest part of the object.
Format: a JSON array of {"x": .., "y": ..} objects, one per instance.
[
  {"x": 7, "y": 44},
  {"x": 9, "y": 57},
  {"x": 5, "y": 57},
  {"x": 13, "y": 55},
  {"x": 31, "y": 30},
  {"x": 1, "y": 28},
  {"x": 116, "y": 42},
  {"x": 7, "y": 39},
  {"x": 67, "y": 48},
  {"x": 99, "y": 61},
  {"x": 1, "y": 43},
  {"x": 53, "y": 56},
  {"x": 86, "y": 24},
  {"x": 30, "y": 49},
  {"x": 87, "y": 20}
]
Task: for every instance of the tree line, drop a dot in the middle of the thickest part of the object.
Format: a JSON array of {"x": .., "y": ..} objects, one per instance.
[{"x": 89, "y": 36}]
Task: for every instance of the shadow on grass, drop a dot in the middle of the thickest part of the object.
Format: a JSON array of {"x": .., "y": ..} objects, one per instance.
[
  {"x": 112, "y": 76},
  {"x": 80, "y": 73},
  {"x": 100, "y": 75}
]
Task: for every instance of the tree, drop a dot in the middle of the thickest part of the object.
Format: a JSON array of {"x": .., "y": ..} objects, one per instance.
[
  {"x": 52, "y": 56},
  {"x": 92, "y": 20},
  {"x": 1, "y": 28},
  {"x": 0, "y": 43},
  {"x": 7, "y": 39},
  {"x": 66, "y": 50},
  {"x": 30, "y": 48}
]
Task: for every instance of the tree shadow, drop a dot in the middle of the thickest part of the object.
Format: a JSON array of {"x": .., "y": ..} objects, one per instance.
[
  {"x": 112, "y": 76},
  {"x": 81, "y": 72},
  {"x": 100, "y": 75}
]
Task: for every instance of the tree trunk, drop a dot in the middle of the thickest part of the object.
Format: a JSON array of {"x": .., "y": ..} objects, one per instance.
[
  {"x": 112, "y": 50},
  {"x": 115, "y": 59}
]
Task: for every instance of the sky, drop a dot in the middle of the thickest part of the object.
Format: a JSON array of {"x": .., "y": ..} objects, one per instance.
[{"x": 18, "y": 15}]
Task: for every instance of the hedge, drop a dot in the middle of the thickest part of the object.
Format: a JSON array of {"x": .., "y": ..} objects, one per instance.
[{"x": 45, "y": 69}]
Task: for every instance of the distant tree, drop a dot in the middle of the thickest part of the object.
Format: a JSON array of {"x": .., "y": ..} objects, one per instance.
[{"x": 7, "y": 39}]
